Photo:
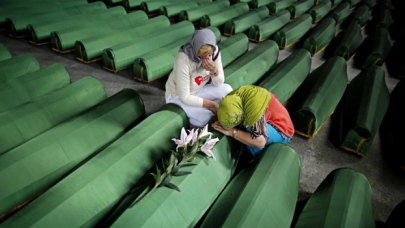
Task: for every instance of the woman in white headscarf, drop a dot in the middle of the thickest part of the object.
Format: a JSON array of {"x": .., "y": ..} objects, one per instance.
[{"x": 197, "y": 62}]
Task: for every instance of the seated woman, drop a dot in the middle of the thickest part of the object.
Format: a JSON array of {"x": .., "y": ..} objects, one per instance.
[
  {"x": 262, "y": 119},
  {"x": 197, "y": 62}
]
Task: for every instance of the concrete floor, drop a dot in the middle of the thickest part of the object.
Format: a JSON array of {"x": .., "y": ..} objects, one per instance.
[{"x": 319, "y": 155}]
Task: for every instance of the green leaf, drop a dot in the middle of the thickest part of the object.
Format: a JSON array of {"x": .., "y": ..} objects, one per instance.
[
  {"x": 158, "y": 175},
  {"x": 192, "y": 159},
  {"x": 188, "y": 164},
  {"x": 170, "y": 185},
  {"x": 175, "y": 169},
  {"x": 182, "y": 173},
  {"x": 154, "y": 176},
  {"x": 163, "y": 164},
  {"x": 166, "y": 180}
]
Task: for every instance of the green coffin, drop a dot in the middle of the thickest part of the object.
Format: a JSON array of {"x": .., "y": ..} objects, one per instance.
[
  {"x": 351, "y": 39},
  {"x": 152, "y": 6},
  {"x": 278, "y": 5},
  {"x": 220, "y": 17},
  {"x": 4, "y": 53},
  {"x": 321, "y": 36},
  {"x": 86, "y": 195},
  {"x": 299, "y": 8},
  {"x": 22, "y": 123},
  {"x": 259, "y": 3},
  {"x": 288, "y": 75},
  {"x": 321, "y": 93},
  {"x": 396, "y": 59},
  {"x": 232, "y": 48},
  {"x": 26, "y": 170},
  {"x": 90, "y": 49},
  {"x": 387, "y": 4},
  {"x": 342, "y": 200},
  {"x": 263, "y": 193},
  {"x": 384, "y": 19},
  {"x": 17, "y": 66},
  {"x": 216, "y": 32},
  {"x": 376, "y": 48},
  {"x": 159, "y": 62},
  {"x": 250, "y": 67},
  {"x": 336, "y": 3},
  {"x": 113, "y": 2},
  {"x": 264, "y": 29},
  {"x": 341, "y": 12},
  {"x": 132, "y": 4},
  {"x": 396, "y": 218},
  {"x": 40, "y": 33},
  {"x": 353, "y": 3},
  {"x": 17, "y": 25},
  {"x": 293, "y": 31},
  {"x": 367, "y": 99},
  {"x": 319, "y": 11},
  {"x": 26, "y": 88},
  {"x": 361, "y": 16},
  {"x": 198, "y": 191},
  {"x": 195, "y": 14},
  {"x": 243, "y": 22},
  {"x": 123, "y": 55},
  {"x": 370, "y": 3},
  {"x": 173, "y": 10},
  {"x": 65, "y": 39}
]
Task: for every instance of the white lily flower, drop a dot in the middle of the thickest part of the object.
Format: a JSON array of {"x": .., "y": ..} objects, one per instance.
[
  {"x": 183, "y": 139},
  {"x": 208, "y": 145},
  {"x": 204, "y": 132},
  {"x": 194, "y": 133}
]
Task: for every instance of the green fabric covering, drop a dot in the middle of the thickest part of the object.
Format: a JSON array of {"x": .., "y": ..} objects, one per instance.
[
  {"x": 159, "y": 62},
  {"x": 123, "y": 55},
  {"x": 321, "y": 93},
  {"x": 41, "y": 32},
  {"x": 335, "y": 3},
  {"x": 361, "y": 16},
  {"x": 173, "y": 10},
  {"x": 293, "y": 31},
  {"x": 153, "y": 6},
  {"x": 264, "y": 29},
  {"x": 277, "y": 5},
  {"x": 350, "y": 39},
  {"x": 243, "y": 22},
  {"x": 370, "y": 3},
  {"x": 396, "y": 218},
  {"x": 217, "y": 33},
  {"x": 367, "y": 99},
  {"x": 321, "y": 36},
  {"x": 17, "y": 25},
  {"x": 376, "y": 48},
  {"x": 102, "y": 181},
  {"x": 341, "y": 12},
  {"x": 4, "y": 53},
  {"x": 233, "y": 47},
  {"x": 17, "y": 66},
  {"x": 113, "y": 2},
  {"x": 220, "y": 17},
  {"x": 132, "y": 4},
  {"x": 65, "y": 39},
  {"x": 20, "y": 124},
  {"x": 319, "y": 11},
  {"x": 317, "y": 2},
  {"x": 252, "y": 199},
  {"x": 198, "y": 191},
  {"x": 259, "y": 3},
  {"x": 396, "y": 59},
  {"x": 342, "y": 200},
  {"x": 250, "y": 67},
  {"x": 91, "y": 48},
  {"x": 299, "y": 8},
  {"x": 26, "y": 88},
  {"x": 288, "y": 75},
  {"x": 384, "y": 19},
  {"x": 195, "y": 14},
  {"x": 25, "y": 169},
  {"x": 353, "y": 3}
]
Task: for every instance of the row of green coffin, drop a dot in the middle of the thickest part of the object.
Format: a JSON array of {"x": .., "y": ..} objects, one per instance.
[
  {"x": 21, "y": 8},
  {"x": 17, "y": 24},
  {"x": 4, "y": 53},
  {"x": 174, "y": 10},
  {"x": 154, "y": 7},
  {"x": 40, "y": 32}
]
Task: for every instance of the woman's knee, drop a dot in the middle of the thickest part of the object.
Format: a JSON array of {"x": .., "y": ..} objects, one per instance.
[{"x": 226, "y": 89}]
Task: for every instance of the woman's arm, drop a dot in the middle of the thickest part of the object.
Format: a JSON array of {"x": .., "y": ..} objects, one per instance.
[{"x": 242, "y": 136}]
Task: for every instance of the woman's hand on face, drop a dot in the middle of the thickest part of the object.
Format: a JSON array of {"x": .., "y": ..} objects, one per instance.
[
  {"x": 209, "y": 65},
  {"x": 217, "y": 126}
]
